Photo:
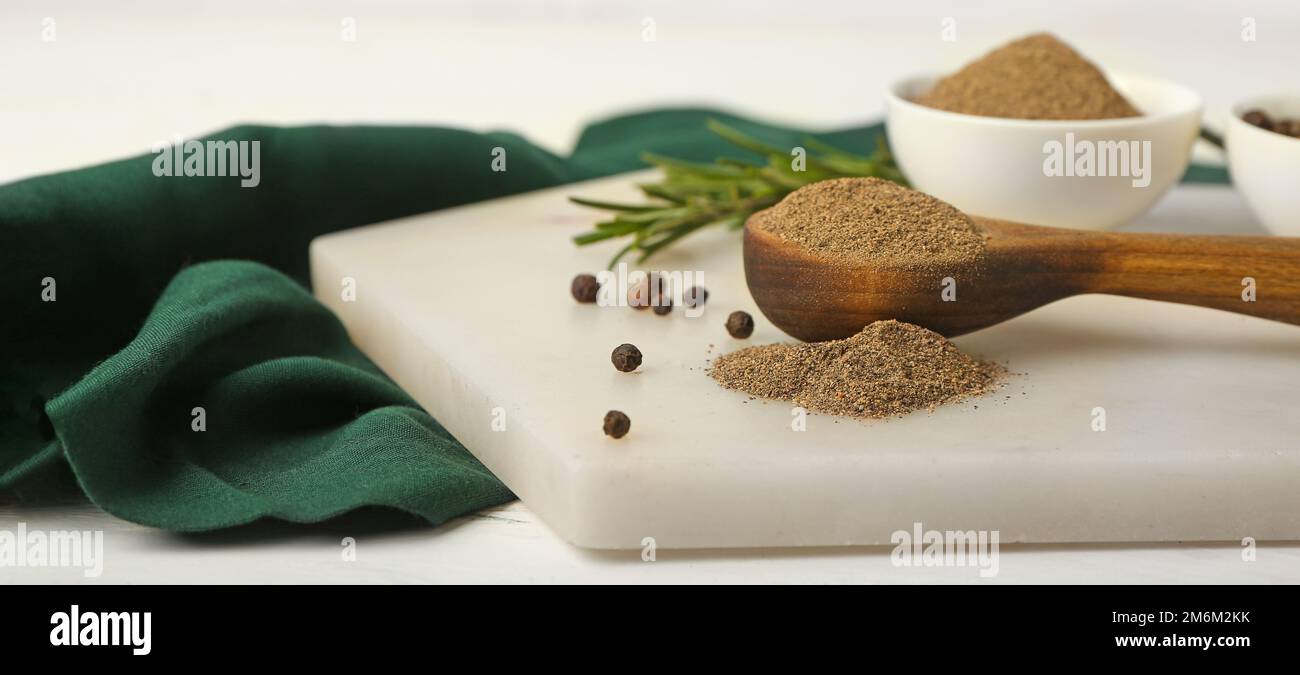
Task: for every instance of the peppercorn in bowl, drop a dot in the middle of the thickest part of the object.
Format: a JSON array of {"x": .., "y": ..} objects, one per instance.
[{"x": 1263, "y": 143}]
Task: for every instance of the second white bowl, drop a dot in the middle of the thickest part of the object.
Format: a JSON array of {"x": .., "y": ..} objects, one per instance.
[
  {"x": 1019, "y": 170},
  {"x": 1265, "y": 166}
]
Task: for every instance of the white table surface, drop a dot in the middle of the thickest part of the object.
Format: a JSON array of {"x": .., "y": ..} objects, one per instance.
[
  {"x": 510, "y": 545},
  {"x": 121, "y": 76}
]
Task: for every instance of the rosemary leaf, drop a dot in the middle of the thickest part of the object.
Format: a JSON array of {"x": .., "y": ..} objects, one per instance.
[
  {"x": 612, "y": 206},
  {"x": 691, "y": 196}
]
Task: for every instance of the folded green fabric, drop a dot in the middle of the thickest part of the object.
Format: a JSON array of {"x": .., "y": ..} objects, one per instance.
[
  {"x": 193, "y": 395},
  {"x": 242, "y": 397}
]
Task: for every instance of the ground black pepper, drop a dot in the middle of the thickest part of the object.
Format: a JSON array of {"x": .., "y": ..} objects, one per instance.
[
  {"x": 890, "y": 368},
  {"x": 584, "y": 288},
  {"x": 871, "y": 220},
  {"x": 626, "y": 357},
  {"x": 616, "y": 424},
  {"x": 1035, "y": 77},
  {"x": 740, "y": 325}
]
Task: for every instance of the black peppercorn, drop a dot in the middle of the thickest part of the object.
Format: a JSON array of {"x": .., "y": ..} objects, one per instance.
[
  {"x": 695, "y": 296},
  {"x": 664, "y": 307},
  {"x": 659, "y": 288},
  {"x": 638, "y": 295},
  {"x": 740, "y": 325},
  {"x": 626, "y": 358},
  {"x": 584, "y": 288},
  {"x": 616, "y": 424},
  {"x": 650, "y": 291}
]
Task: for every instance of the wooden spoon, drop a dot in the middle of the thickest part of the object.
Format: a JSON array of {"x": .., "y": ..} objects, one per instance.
[{"x": 1023, "y": 267}]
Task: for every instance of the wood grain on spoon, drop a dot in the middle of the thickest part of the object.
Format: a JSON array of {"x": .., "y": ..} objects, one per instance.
[{"x": 1023, "y": 267}]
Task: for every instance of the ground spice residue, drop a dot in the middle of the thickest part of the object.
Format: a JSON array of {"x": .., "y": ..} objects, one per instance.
[
  {"x": 888, "y": 369},
  {"x": 869, "y": 220},
  {"x": 1036, "y": 77}
]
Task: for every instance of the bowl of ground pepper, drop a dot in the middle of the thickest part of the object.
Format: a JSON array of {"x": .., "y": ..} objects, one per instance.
[
  {"x": 1263, "y": 138},
  {"x": 1034, "y": 132}
]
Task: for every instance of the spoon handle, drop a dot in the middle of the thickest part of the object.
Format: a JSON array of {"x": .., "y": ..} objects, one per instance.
[{"x": 1259, "y": 276}]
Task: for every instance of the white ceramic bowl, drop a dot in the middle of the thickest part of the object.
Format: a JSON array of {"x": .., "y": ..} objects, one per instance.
[
  {"x": 1265, "y": 166},
  {"x": 993, "y": 166}
]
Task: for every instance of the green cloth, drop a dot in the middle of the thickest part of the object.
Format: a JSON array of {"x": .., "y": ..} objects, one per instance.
[{"x": 173, "y": 294}]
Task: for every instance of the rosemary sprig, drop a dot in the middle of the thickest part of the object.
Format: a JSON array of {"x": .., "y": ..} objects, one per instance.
[{"x": 693, "y": 195}]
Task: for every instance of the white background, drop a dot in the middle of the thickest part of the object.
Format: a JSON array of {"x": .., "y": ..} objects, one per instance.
[{"x": 122, "y": 75}]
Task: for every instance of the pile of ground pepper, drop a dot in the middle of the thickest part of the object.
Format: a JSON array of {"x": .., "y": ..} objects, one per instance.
[
  {"x": 1036, "y": 77},
  {"x": 890, "y": 368},
  {"x": 869, "y": 220}
]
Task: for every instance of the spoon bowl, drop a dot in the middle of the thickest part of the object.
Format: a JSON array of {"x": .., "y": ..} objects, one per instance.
[{"x": 1023, "y": 267}]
